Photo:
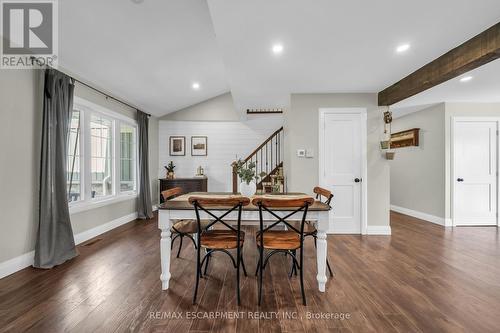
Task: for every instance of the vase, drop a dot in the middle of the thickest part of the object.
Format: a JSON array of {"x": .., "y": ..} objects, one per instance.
[
  {"x": 170, "y": 175},
  {"x": 248, "y": 190}
]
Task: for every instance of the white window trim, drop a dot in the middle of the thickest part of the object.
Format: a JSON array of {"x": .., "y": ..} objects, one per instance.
[
  {"x": 81, "y": 206},
  {"x": 118, "y": 160},
  {"x": 86, "y": 202}
]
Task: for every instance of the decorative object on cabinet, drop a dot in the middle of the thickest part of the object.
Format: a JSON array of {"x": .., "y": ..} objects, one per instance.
[
  {"x": 199, "y": 146},
  {"x": 177, "y": 146},
  {"x": 200, "y": 172},
  {"x": 170, "y": 170}
]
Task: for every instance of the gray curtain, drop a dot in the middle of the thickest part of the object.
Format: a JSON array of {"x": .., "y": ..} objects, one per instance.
[
  {"x": 145, "y": 211},
  {"x": 55, "y": 243}
]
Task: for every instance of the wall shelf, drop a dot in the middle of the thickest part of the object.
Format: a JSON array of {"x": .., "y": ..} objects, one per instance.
[
  {"x": 406, "y": 138},
  {"x": 264, "y": 111}
]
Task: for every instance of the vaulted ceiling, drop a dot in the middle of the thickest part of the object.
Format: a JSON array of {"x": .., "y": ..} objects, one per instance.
[{"x": 150, "y": 52}]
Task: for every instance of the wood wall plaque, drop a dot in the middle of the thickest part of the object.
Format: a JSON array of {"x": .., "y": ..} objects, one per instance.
[{"x": 406, "y": 138}]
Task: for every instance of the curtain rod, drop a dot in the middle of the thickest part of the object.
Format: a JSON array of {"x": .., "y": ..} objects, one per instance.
[{"x": 93, "y": 88}]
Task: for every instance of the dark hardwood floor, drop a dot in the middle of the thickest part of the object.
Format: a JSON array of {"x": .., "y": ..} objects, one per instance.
[{"x": 423, "y": 278}]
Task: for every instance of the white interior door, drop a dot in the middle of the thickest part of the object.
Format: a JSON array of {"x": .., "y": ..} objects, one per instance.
[
  {"x": 341, "y": 168},
  {"x": 475, "y": 172}
]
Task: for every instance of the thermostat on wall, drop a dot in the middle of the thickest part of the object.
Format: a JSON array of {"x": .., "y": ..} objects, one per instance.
[{"x": 301, "y": 153}]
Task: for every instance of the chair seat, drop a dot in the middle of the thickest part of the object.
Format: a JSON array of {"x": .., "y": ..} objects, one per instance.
[
  {"x": 188, "y": 226},
  {"x": 309, "y": 227},
  {"x": 280, "y": 240},
  {"x": 221, "y": 239}
]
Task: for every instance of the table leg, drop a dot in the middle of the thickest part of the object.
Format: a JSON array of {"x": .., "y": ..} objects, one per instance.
[
  {"x": 164, "y": 226},
  {"x": 321, "y": 250}
]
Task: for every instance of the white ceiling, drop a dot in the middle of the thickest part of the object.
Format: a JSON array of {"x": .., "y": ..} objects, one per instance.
[
  {"x": 336, "y": 46},
  {"x": 150, "y": 53}
]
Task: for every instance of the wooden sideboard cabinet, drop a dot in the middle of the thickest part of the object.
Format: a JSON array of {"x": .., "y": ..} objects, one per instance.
[{"x": 195, "y": 184}]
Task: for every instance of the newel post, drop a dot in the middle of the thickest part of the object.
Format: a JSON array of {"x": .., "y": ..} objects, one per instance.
[{"x": 235, "y": 177}]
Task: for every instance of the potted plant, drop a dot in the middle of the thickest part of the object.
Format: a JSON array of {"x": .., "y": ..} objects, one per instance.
[
  {"x": 170, "y": 170},
  {"x": 246, "y": 172}
]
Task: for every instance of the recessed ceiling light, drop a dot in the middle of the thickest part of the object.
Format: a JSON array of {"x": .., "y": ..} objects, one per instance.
[
  {"x": 466, "y": 78},
  {"x": 403, "y": 48},
  {"x": 196, "y": 86},
  {"x": 277, "y": 48}
]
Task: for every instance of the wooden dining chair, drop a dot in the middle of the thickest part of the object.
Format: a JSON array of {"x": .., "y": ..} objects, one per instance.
[
  {"x": 281, "y": 241},
  {"x": 219, "y": 240},
  {"x": 182, "y": 228},
  {"x": 324, "y": 196}
]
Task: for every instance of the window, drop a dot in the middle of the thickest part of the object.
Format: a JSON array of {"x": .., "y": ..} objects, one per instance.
[
  {"x": 128, "y": 158},
  {"x": 73, "y": 162},
  {"x": 102, "y": 156}
]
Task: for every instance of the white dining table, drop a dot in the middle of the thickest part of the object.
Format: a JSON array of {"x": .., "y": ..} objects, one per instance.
[{"x": 179, "y": 208}]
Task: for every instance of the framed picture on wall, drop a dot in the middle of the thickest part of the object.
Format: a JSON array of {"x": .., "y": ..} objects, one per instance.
[
  {"x": 177, "y": 146},
  {"x": 199, "y": 146}
]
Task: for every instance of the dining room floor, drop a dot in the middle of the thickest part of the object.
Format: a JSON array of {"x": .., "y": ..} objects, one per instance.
[{"x": 423, "y": 278}]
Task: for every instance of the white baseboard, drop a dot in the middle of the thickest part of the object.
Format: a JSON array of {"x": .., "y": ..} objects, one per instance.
[
  {"x": 16, "y": 264},
  {"x": 422, "y": 216},
  {"x": 378, "y": 230},
  {"x": 100, "y": 229}
]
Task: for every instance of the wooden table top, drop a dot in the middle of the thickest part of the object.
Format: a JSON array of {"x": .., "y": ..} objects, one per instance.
[{"x": 181, "y": 202}]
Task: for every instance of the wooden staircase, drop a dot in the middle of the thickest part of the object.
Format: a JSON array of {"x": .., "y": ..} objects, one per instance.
[{"x": 268, "y": 158}]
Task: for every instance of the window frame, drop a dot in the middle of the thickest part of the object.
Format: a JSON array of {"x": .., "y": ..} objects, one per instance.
[
  {"x": 135, "y": 159},
  {"x": 87, "y": 109},
  {"x": 80, "y": 148}
]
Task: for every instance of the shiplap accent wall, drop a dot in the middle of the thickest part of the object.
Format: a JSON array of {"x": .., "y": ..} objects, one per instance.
[{"x": 226, "y": 141}]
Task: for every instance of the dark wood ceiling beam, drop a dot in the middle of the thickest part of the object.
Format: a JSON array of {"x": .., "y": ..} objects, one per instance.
[{"x": 472, "y": 54}]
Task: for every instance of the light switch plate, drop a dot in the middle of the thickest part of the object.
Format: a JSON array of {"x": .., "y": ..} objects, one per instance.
[{"x": 301, "y": 152}]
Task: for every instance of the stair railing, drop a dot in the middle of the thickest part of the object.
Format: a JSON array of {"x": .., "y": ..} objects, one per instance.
[{"x": 268, "y": 157}]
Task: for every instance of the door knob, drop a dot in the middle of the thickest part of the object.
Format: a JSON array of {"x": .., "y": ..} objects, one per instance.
[
  {"x": 357, "y": 180},
  {"x": 460, "y": 179}
]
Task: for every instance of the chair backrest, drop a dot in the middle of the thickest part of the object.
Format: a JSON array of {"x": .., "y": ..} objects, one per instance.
[
  {"x": 271, "y": 205},
  {"x": 170, "y": 193},
  {"x": 226, "y": 204},
  {"x": 323, "y": 192}
]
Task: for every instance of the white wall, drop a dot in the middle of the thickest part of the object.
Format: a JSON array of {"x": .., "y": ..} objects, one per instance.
[
  {"x": 226, "y": 142},
  {"x": 20, "y": 124},
  {"x": 301, "y": 131},
  {"x": 428, "y": 168},
  {"x": 418, "y": 173},
  {"x": 20, "y": 131}
]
